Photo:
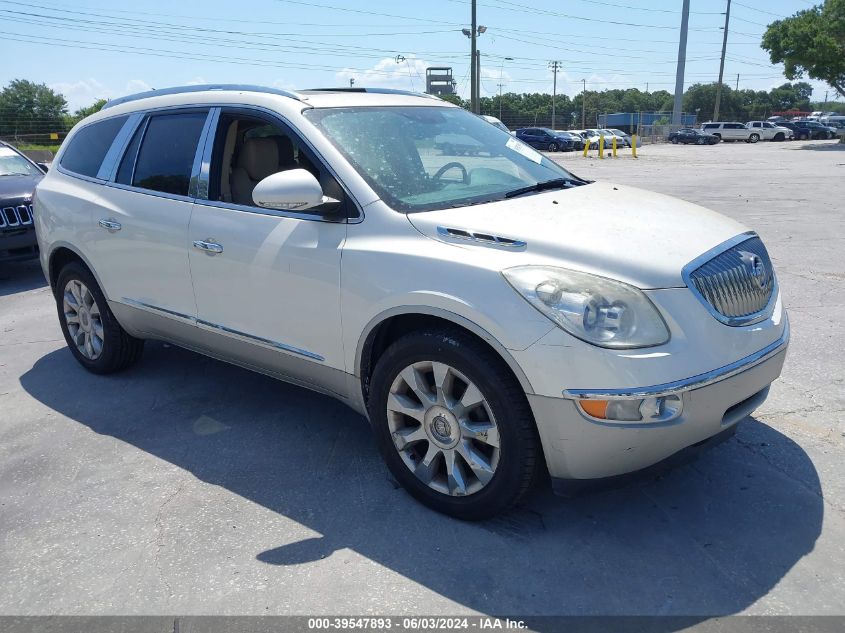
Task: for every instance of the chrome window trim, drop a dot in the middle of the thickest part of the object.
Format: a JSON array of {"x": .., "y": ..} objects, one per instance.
[
  {"x": 149, "y": 192},
  {"x": 749, "y": 319},
  {"x": 113, "y": 156},
  {"x": 317, "y": 217},
  {"x": 687, "y": 384},
  {"x": 216, "y": 327}
]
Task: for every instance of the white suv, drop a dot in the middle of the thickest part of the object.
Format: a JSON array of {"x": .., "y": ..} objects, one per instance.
[
  {"x": 768, "y": 131},
  {"x": 731, "y": 131},
  {"x": 492, "y": 315}
]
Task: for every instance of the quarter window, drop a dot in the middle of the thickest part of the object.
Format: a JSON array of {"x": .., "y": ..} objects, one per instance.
[
  {"x": 89, "y": 146},
  {"x": 166, "y": 156}
]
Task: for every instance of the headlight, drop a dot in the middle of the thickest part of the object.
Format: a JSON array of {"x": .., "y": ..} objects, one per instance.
[{"x": 598, "y": 310}]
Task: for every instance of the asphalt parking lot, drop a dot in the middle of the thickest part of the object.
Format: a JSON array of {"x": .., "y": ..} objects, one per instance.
[{"x": 187, "y": 486}]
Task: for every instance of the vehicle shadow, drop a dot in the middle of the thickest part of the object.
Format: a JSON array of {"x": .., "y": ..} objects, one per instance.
[
  {"x": 706, "y": 539},
  {"x": 826, "y": 146},
  {"x": 20, "y": 276}
]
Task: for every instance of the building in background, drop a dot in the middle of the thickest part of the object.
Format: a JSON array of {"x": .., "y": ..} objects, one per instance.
[{"x": 439, "y": 80}]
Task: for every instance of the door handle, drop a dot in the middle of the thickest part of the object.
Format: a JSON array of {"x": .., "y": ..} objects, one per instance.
[
  {"x": 111, "y": 225},
  {"x": 210, "y": 247}
]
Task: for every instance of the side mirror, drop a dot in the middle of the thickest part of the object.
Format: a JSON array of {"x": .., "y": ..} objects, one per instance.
[
  {"x": 291, "y": 190},
  {"x": 44, "y": 167}
]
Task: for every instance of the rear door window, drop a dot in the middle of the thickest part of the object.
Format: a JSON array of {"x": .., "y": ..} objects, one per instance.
[
  {"x": 89, "y": 146},
  {"x": 165, "y": 158}
]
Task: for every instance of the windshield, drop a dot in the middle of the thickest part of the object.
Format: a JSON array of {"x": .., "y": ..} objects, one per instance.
[
  {"x": 423, "y": 158},
  {"x": 13, "y": 164}
]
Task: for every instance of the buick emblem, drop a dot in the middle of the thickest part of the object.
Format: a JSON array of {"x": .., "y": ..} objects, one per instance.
[{"x": 756, "y": 267}]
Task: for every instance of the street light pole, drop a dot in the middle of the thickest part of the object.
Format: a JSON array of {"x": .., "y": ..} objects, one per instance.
[
  {"x": 722, "y": 63},
  {"x": 473, "y": 79},
  {"x": 555, "y": 66},
  {"x": 682, "y": 60}
]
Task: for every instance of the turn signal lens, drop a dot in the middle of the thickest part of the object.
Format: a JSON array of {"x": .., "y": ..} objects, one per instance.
[{"x": 595, "y": 408}]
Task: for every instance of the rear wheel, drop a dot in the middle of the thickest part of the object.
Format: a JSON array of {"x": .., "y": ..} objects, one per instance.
[
  {"x": 675, "y": 140},
  {"x": 754, "y": 138},
  {"x": 552, "y": 147},
  {"x": 92, "y": 332},
  {"x": 453, "y": 424}
]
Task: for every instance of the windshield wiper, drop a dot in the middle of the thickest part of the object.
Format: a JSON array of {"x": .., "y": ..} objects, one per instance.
[{"x": 556, "y": 183}]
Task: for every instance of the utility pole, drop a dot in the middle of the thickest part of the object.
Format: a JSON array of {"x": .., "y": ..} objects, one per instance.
[
  {"x": 737, "y": 82},
  {"x": 722, "y": 63},
  {"x": 477, "y": 81},
  {"x": 555, "y": 66},
  {"x": 473, "y": 70},
  {"x": 826, "y": 92},
  {"x": 682, "y": 60},
  {"x": 584, "y": 105},
  {"x": 500, "y": 101}
]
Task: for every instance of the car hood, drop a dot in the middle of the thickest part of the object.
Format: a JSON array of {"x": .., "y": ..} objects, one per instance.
[
  {"x": 17, "y": 186},
  {"x": 625, "y": 233}
]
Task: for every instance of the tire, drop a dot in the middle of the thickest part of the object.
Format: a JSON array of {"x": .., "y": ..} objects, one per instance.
[
  {"x": 552, "y": 147},
  {"x": 699, "y": 141},
  {"x": 754, "y": 138},
  {"x": 116, "y": 350},
  {"x": 779, "y": 137},
  {"x": 514, "y": 464},
  {"x": 718, "y": 137},
  {"x": 675, "y": 140}
]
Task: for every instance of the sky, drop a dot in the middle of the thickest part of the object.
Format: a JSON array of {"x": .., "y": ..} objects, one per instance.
[{"x": 90, "y": 49}]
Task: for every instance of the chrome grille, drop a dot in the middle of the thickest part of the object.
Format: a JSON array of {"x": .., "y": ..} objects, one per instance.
[
  {"x": 20, "y": 215},
  {"x": 737, "y": 284}
]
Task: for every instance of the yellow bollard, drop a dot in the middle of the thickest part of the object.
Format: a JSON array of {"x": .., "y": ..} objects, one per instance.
[
  {"x": 614, "y": 147},
  {"x": 601, "y": 147},
  {"x": 586, "y": 147},
  {"x": 634, "y": 145}
]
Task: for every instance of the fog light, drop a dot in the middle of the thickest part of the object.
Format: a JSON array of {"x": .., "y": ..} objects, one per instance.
[{"x": 646, "y": 410}]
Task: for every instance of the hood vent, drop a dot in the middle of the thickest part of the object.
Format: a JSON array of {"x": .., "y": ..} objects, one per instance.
[{"x": 476, "y": 236}]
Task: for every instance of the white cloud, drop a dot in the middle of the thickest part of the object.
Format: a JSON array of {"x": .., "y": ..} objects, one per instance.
[
  {"x": 81, "y": 93},
  {"x": 408, "y": 74},
  {"x": 137, "y": 85},
  {"x": 196, "y": 81}
]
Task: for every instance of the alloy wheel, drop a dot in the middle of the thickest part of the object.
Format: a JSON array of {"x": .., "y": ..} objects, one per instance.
[
  {"x": 443, "y": 428},
  {"x": 82, "y": 316}
]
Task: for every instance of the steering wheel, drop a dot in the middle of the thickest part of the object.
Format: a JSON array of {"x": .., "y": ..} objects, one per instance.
[{"x": 447, "y": 167}]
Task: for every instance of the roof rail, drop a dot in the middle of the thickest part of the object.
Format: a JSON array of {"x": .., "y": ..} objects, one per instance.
[
  {"x": 200, "y": 88},
  {"x": 383, "y": 91}
]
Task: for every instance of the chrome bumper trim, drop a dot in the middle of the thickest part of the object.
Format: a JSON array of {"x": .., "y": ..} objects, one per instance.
[{"x": 687, "y": 384}]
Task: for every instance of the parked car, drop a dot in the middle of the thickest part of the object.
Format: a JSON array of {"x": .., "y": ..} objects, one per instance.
[
  {"x": 544, "y": 138},
  {"x": 609, "y": 135},
  {"x": 576, "y": 139},
  {"x": 493, "y": 318},
  {"x": 619, "y": 133},
  {"x": 689, "y": 135},
  {"x": 457, "y": 145},
  {"x": 18, "y": 178},
  {"x": 798, "y": 132},
  {"x": 816, "y": 130},
  {"x": 494, "y": 121},
  {"x": 731, "y": 131},
  {"x": 769, "y": 131}
]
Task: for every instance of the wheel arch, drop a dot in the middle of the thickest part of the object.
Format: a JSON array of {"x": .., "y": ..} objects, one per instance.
[
  {"x": 62, "y": 254},
  {"x": 391, "y": 324}
]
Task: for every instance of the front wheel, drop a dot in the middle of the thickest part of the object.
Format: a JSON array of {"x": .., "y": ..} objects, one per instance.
[
  {"x": 91, "y": 331},
  {"x": 453, "y": 424},
  {"x": 675, "y": 140},
  {"x": 780, "y": 136}
]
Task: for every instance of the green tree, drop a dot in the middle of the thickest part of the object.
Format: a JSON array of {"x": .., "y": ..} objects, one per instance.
[
  {"x": 30, "y": 108},
  {"x": 812, "y": 42},
  {"x": 89, "y": 110}
]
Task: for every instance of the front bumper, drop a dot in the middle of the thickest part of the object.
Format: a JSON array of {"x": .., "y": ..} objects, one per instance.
[
  {"x": 18, "y": 244},
  {"x": 578, "y": 447}
]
